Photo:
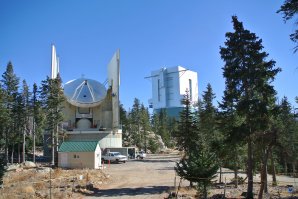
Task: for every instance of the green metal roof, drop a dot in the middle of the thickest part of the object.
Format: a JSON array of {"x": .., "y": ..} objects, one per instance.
[{"x": 78, "y": 146}]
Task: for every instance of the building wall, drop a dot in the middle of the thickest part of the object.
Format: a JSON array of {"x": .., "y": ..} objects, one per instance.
[
  {"x": 90, "y": 160},
  {"x": 185, "y": 80}
]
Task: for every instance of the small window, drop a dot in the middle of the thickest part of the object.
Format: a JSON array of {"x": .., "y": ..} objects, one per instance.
[
  {"x": 97, "y": 155},
  {"x": 74, "y": 156}
]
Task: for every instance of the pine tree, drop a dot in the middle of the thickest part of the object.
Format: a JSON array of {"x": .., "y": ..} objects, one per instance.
[
  {"x": 134, "y": 123},
  {"x": 26, "y": 127},
  {"x": 162, "y": 125},
  {"x": 207, "y": 119},
  {"x": 208, "y": 125},
  {"x": 200, "y": 166},
  {"x": 52, "y": 100},
  {"x": 10, "y": 83},
  {"x": 145, "y": 126},
  {"x": 125, "y": 126},
  {"x": 36, "y": 119},
  {"x": 248, "y": 77},
  {"x": 187, "y": 132},
  {"x": 290, "y": 9}
]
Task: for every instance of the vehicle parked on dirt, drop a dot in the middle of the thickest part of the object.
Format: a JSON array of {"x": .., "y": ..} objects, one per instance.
[
  {"x": 114, "y": 157},
  {"x": 140, "y": 155}
]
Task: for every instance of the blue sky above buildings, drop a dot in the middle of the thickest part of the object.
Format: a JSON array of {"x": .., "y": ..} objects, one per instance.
[{"x": 150, "y": 34}]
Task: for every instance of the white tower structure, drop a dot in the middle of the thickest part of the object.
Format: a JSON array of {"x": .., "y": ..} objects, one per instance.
[
  {"x": 169, "y": 86},
  {"x": 55, "y": 63}
]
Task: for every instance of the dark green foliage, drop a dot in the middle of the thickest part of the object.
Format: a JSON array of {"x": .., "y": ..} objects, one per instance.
[
  {"x": 248, "y": 91},
  {"x": 153, "y": 145},
  {"x": 199, "y": 166},
  {"x": 38, "y": 114},
  {"x": 52, "y": 99},
  {"x": 208, "y": 121},
  {"x": 164, "y": 126},
  {"x": 290, "y": 9},
  {"x": 199, "y": 163},
  {"x": 187, "y": 132},
  {"x": 10, "y": 84},
  {"x": 138, "y": 125},
  {"x": 125, "y": 126},
  {"x": 287, "y": 127},
  {"x": 145, "y": 126}
]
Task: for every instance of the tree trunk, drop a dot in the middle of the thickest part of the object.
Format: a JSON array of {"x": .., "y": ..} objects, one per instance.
[
  {"x": 236, "y": 177},
  {"x": 33, "y": 141},
  {"x": 220, "y": 174},
  {"x": 24, "y": 145},
  {"x": 249, "y": 169},
  {"x": 57, "y": 145},
  {"x": 205, "y": 191},
  {"x": 19, "y": 153},
  {"x": 53, "y": 148},
  {"x": 294, "y": 168},
  {"x": 6, "y": 147},
  {"x": 263, "y": 175},
  {"x": 285, "y": 167},
  {"x": 273, "y": 171},
  {"x": 12, "y": 151}
]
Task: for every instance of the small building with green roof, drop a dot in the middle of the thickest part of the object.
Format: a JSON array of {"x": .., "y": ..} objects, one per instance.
[{"x": 79, "y": 154}]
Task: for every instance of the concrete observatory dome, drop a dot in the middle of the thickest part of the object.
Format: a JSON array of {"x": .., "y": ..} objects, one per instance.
[{"x": 84, "y": 92}]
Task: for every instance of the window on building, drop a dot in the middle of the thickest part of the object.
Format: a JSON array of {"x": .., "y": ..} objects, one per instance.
[{"x": 190, "y": 89}]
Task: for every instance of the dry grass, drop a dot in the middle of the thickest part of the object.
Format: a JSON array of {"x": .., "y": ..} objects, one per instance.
[
  {"x": 33, "y": 184},
  {"x": 28, "y": 190},
  {"x": 20, "y": 177},
  {"x": 39, "y": 185}
]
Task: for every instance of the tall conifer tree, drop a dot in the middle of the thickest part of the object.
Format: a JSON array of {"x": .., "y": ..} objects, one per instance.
[
  {"x": 10, "y": 83},
  {"x": 248, "y": 77}
]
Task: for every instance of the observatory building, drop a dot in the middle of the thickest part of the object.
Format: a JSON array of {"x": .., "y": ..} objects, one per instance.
[
  {"x": 91, "y": 110},
  {"x": 169, "y": 86},
  {"x": 91, "y": 114}
]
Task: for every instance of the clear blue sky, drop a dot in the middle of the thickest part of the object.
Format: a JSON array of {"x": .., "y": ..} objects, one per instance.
[{"x": 149, "y": 33}]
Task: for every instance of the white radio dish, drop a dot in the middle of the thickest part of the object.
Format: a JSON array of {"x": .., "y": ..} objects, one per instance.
[{"x": 84, "y": 92}]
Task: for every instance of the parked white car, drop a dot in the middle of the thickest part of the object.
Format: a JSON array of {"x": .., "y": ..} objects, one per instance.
[
  {"x": 140, "y": 155},
  {"x": 114, "y": 157}
]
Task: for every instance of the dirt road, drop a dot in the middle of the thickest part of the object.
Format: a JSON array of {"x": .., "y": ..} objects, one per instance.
[
  {"x": 149, "y": 178},
  {"x": 153, "y": 177}
]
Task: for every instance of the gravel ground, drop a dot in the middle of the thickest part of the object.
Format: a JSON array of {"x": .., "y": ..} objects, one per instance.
[
  {"x": 153, "y": 177},
  {"x": 149, "y": 178}
]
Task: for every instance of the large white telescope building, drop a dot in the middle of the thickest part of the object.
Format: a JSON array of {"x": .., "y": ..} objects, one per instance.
[{"x": 169, "y": 86}]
